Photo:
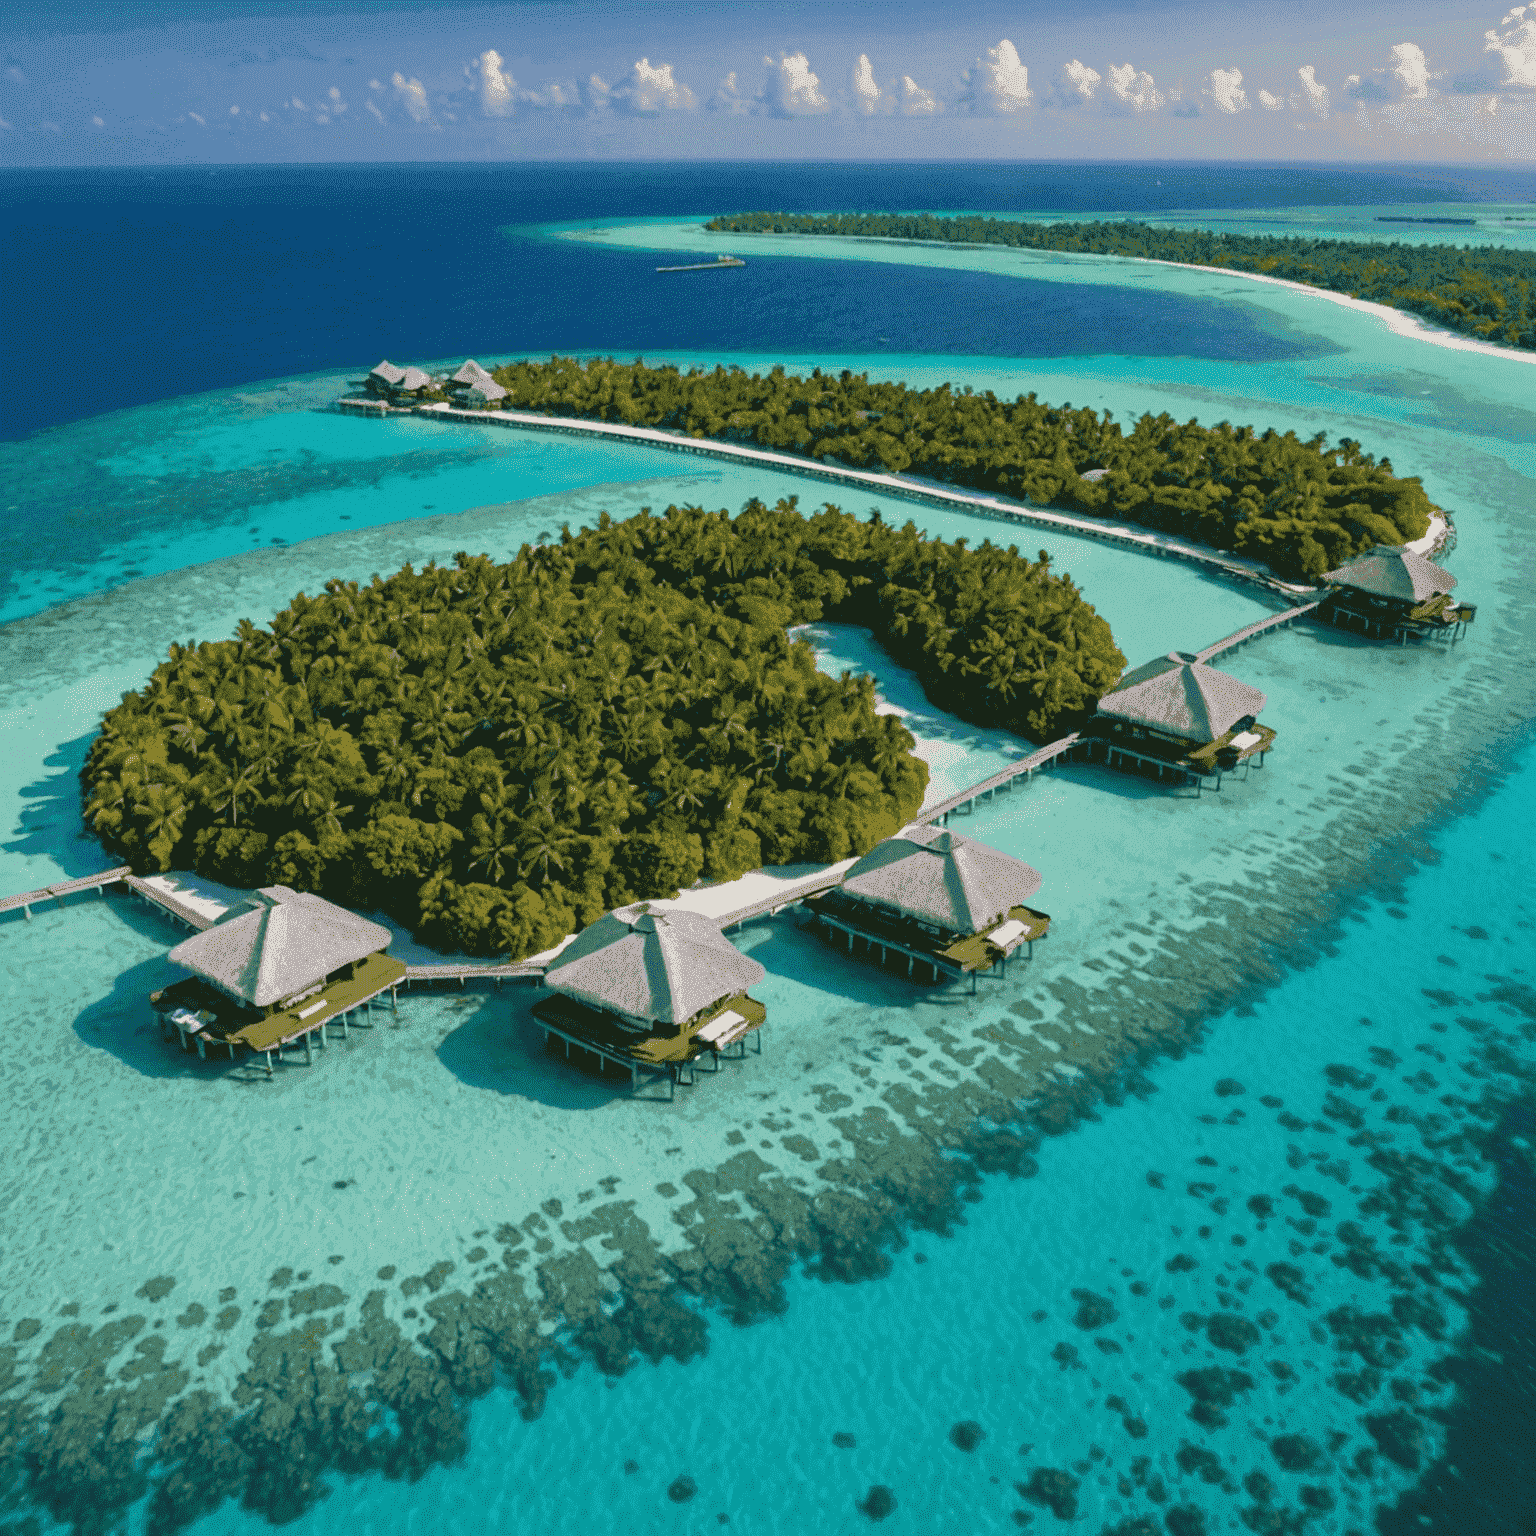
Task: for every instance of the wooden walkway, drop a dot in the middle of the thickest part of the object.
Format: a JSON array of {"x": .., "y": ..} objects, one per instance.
[
  {"x": 1126, "y": 536},
  {"x": 469, "y": 970},
  {"x": 29, "y": 899},
  {"x": 1003, "y": 779},
  {"x": 1253, "y": 631},
  {"x": 186, "y": 915}
]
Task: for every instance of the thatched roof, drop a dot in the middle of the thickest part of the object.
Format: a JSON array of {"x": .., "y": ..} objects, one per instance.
[
  {"x": 941, "y": 877},
  {"x": 387, "y": 373},
  {"x": 1183, "y": 696},
  {"x": 470, "y": 373},
  {"x": 1392, "y": 570},
  {"x": 277, "y": 943},
  {"x": 652, "y": 962},
  {"x": 485, "y": 389},
  {"x": 413, "y": 378}
]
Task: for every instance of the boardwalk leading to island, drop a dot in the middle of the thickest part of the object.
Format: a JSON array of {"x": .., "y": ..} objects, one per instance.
[
  {"x": 1144, "y": 541},
  {"x": 1253, "y": 631}
]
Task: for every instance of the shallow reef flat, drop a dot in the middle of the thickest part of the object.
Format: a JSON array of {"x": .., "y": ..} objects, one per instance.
[{"x": 382, "y": 1263}]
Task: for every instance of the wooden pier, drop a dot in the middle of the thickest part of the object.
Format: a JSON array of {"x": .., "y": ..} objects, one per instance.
[
  {"x": 1004, "y": 778},
  {"x": 165, "y": 901},
  {"x": 1253, "y": 631}
]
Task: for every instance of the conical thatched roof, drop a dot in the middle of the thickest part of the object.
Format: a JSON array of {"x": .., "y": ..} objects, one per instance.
[
  {"x": 1392, "y": 570},
  {"x": 652, "y": 962},
  {"x": 471, "y": 373},
  {"x": 941, "y": 877},
  {"x": 1183, "y": 696},
  {"x": 413, "y": 378},
  {"x": 277, "y": 943},
  {"x": 387, "y": 372}
]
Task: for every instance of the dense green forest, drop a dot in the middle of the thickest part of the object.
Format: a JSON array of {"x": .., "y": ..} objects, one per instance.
[
  {"x": 496, "y": 754},
  {"x": 1487, "y": 291},
  {"x": 1302, "y": 507}
]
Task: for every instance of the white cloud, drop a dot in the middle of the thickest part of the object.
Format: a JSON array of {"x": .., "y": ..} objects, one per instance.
[
  {"x": 201, "y": 122},
  {"x": 1406, "y": 77},
  {"x": 373, "y": 85},
  {"x": 1313, "y": 94},
  {"x": 372, "y": 108},
  {"x": 297, "y": 105},
  {"x": 234, "y": 111},
  {"x": 728, "y": 98},
  {"x": 4, "y": 126},
  {"x": 98, "y": 122},
  {"x": 866, "y": 93},
  {"x": 1132, "y": 89},
  {"x": 554, "y": 95},
  {"x": 595, "y": 92},
  {"x": 649, "y": 89},
  {"x": 413, "y": 96},
  {"x": 1073, "y": 85},
  {"x": 1225, "y": 88},
  {"x": 265, "y": 118},
  {"x": 49, "y": 128},
  {"x": 917, "y": 101},
  {"x": 1271, "y": 103},
  {"x": 498, "y": 90},
  {"x": 1516, "y": 48},
  {"x": 337, "y": 105},
  {"x": 998, "y": 82},
  {"x": 792, "y": 88},
  {"x": 14, "y": 74}
]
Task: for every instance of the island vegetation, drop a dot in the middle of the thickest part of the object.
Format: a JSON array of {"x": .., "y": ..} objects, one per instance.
[
  {"x": 1302, "y": 507},
  {"x": 1487, "y": 291},
  {"x": 495, "y": 754}
]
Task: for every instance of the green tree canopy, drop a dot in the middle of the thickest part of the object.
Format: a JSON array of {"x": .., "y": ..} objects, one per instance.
[
  {"x": 496, "y": 754},
  {"x": 1301, "y": 507}
]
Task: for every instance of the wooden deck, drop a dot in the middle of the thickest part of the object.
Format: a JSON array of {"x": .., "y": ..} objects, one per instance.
[
  {"x": 307, "y": 1023},
  {"x": 672, "y": 1058},
  {"x": 890, "y": 933},
  {"x": 1438, "y": 618}
]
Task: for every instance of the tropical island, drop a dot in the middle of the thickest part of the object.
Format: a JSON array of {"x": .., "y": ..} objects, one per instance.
[
  {"x": 1485, "y": 291},
  {"x": 496, "y": 754},
  {"x": 1301, "y": 507}
]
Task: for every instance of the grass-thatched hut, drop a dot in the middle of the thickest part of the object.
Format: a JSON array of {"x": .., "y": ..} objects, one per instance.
[
  {"x": 1177, "y": 715},
  {"x": 1392, "y": 592},
  {"x": 277, "y": 968},
  {"x": 942, "y": 901},
  {"x": 650, "y": 989}
]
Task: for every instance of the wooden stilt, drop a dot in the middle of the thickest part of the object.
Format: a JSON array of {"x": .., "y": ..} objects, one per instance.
[
  {"x": 269, "y": 1063},
  {"x": 202, "y": 1047},
  {"x": 309, "y": 1052}
]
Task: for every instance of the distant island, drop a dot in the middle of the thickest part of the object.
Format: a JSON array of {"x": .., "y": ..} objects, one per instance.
[
  {"x": 496, "y": 754},
  {"x": 1483, "y": 291},
  {"x": 1301, "y": 507}
]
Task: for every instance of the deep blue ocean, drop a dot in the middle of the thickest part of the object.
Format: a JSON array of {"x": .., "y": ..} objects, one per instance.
[
  {"x": 184, "y": 280},
  {"x": 1270, "y": 1269}
]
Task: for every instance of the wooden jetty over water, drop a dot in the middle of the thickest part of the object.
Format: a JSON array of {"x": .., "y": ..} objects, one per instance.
[{"x": 165, "y": 901}]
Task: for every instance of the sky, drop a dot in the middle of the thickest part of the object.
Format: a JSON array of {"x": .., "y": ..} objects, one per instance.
[{"x": 127, "y": 82}]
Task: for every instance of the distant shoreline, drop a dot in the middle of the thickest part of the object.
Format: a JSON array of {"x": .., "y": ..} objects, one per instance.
[{"x": 1399, "y": 321}]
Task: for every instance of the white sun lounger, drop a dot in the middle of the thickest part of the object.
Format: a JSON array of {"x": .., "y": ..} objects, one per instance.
[
  {"x": 1245, "y": 739},
  {"x": 1007, "y": 935},
  {"x": 723, "y": 1029}
]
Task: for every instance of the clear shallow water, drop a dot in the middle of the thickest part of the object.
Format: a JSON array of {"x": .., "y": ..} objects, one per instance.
[{"x": 1170, "y": 912}]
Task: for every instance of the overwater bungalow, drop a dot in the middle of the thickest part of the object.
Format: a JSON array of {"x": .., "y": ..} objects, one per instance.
[
  {"x": 384, "y": 380},
  {"x": 948, "y": 905},
  {"x": 1392, "y": 592},
  {"x": 1177, "y": 717},
  {"x": 473, "y": 389},
  {"x": 653, "y": 991},
  {"x": 277, "y": 969}
]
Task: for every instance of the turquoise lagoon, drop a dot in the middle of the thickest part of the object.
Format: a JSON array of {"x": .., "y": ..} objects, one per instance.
[{"x": 422, "y": 1232}]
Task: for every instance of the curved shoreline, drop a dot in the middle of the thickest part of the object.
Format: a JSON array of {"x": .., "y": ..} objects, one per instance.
[
  {"x": 1398, "y": 321},
  {"x": 1126, "y": 535}
]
